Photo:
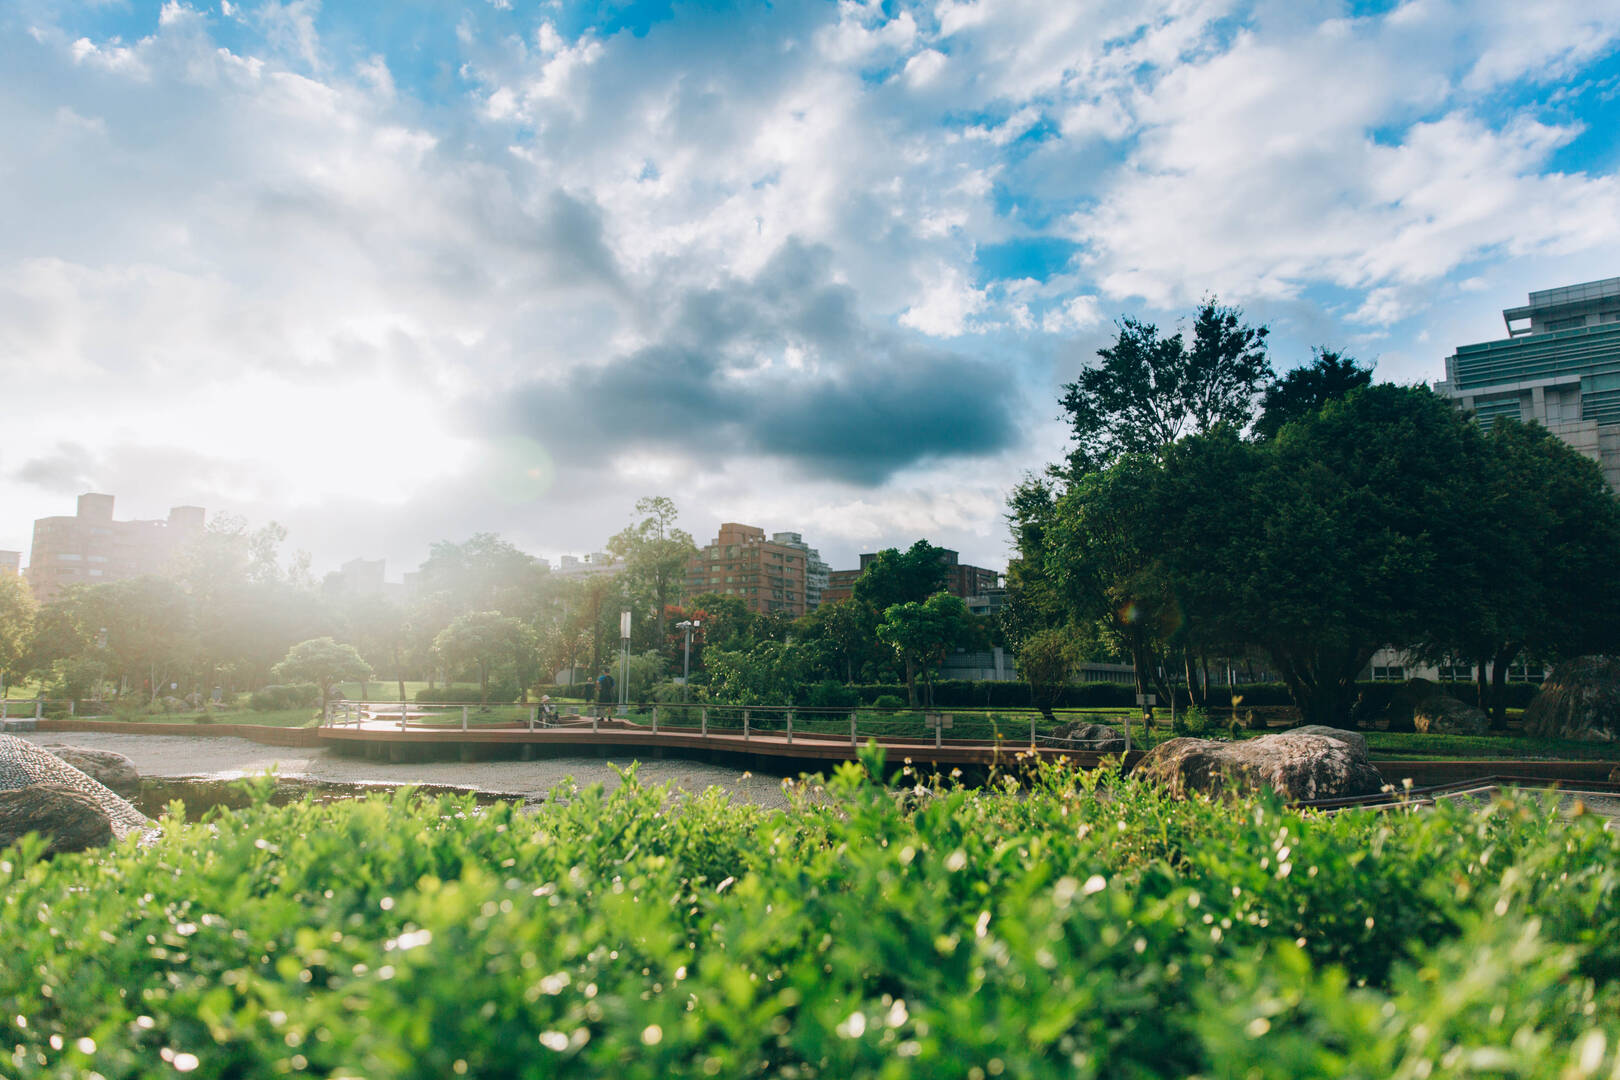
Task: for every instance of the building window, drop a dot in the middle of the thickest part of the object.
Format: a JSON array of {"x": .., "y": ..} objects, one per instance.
[
  {"x": 1389, "y": 674},
  {"x": 69, "y": 556},
  {"x": 1566, "y": 324}
]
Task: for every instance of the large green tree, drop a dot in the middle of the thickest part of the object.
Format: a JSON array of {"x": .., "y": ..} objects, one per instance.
[
  {"x": 1328, "y": 377},
  {"x": 921, "y": 634},
  {"x": 655, "y": 554},
  {"x": 1152, "y": 389},
  {"x": 484, "y": 640},
  {"x": 17, "y": 609},
  {"x": 483, "y": 573},
  {"x": 324, "y": 662},
  {"x": 901, "y": 577}
]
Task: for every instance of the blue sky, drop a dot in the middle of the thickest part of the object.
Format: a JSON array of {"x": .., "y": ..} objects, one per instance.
[{"x": 390, "y": 273}]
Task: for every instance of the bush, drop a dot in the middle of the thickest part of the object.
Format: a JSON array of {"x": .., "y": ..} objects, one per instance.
[
  {"x": 830, "y": 694},
  {"x": 275, "y": 698},
  {"x": 889, "y": 701},
  {"x": 499, "y": 694},
  {"x": 1042, "y": 932}
]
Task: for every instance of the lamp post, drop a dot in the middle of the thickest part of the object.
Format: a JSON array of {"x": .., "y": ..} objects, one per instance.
[
  {"x": 686, "y": 667},
  {"x": 624, "y": 663}
]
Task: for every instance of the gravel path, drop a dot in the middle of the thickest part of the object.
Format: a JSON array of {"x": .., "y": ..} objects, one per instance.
[{"x": 224, "y": 758}]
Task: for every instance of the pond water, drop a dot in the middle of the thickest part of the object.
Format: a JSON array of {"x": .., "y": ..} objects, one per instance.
[{"x": 201, "y": 795}]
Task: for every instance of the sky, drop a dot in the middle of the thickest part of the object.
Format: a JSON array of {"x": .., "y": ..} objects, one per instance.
[{"x": 396, "y": 273}]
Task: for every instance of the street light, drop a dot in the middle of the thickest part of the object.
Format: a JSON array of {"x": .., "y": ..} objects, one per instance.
[
  {"x": 686, "y": 670},
  {"x": 624, "y": 663}
]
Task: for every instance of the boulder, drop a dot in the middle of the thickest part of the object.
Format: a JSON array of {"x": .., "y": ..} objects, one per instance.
[
  {"x": 1296, "y": 765},
  {"x": 24, "y": 766},
  {"x": 1579, "y": 700},
  {"x": 70, "y": 819},
  {"x": 104, "y": 766},
  {"x": 1441, "y": 714},
  {"x": 1403, "y": 703},
  {"x": 1083, "y": 736},
  {"x": 1355, "y": 739}
]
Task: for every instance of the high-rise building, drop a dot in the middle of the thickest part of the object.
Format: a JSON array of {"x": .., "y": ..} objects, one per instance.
[
  {"x": 768, "y": 576},
  {"x": 596, "y": 564},
  {"x": 1559, "y": 366},
  {"x": 91, "y": 547},
  {"x": 357, "y": 577},
  {"x": 815, "y": 571}
]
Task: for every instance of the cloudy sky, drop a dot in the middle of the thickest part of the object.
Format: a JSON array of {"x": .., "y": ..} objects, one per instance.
[{"x": 390, "y": 273}]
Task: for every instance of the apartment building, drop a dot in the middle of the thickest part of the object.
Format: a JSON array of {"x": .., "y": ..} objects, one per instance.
[
  {"x": 596, "y": 564},
  {"x": 968, "y": 582},
  {"x": 815, "y": 570},
  {"x": 768, "y": 576},
  {"x": 91, "y": 547},
  {"x": 1559, "y": 366},
  {"x": 10, "y": 563}
]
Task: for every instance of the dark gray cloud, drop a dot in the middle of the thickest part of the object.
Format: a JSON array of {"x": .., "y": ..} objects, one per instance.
[
  {"x": 68, "y": 470},
  {"x": 780, "y": 365}
]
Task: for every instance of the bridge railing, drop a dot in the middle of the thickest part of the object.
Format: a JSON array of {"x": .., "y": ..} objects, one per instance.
[{"x": 730, "y": 723}]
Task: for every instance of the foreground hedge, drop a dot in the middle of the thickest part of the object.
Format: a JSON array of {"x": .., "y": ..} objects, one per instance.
[{"x": 864, "y": 934}]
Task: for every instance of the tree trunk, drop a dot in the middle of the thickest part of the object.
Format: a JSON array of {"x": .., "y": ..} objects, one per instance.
[
  {"x": 483, "y": 684},
  {"x": 1481, "y": 695},
  {"x": 911, "y": 682},
  {"x": 1499, "y": 674}
]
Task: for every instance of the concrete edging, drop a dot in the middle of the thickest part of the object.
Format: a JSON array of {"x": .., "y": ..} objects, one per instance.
[{"x": 259, "y": 733}]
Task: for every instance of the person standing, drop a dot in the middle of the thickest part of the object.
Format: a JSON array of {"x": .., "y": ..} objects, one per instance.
[{"x": 604, "y": 694}]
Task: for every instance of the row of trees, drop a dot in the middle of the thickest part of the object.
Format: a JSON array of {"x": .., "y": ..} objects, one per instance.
[{"x": 1209, "y": 511}]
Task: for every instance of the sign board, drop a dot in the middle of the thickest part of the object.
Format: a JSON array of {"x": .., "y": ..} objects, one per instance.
[
  {"x": 940, "y": 720},
  {"x": 624, "y": 624},
  {"x": 1144, "y": 699}
]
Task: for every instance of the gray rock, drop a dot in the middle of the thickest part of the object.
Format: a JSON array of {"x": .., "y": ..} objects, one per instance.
[
  {"x": 24, "y": 765},
  {"x": 1404, "y": 702},
  {"x": 70, "y": 819},
  {"x": 1354, "y": 738},
  {"x": 104, "y": 766},
  {"x": 1084, "y": 736},
  {"x": 1296, "y": 765},
  {"x": 1441, "y": 714},
  {"x": 1579, "y": 700}
]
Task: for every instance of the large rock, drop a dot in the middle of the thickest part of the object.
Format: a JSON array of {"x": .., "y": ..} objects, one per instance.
[
  {"x": 69, "y": 819},
  {"x": 104, "y": 766},
  {"x": 1441, "y": 714},
  {"x": 25, "y": 767},
  {"x": 1297, "y": 765},
  {"x": 1354, "y": 739},
  {"x": 1401, "y": 712},
  {"x": 1579, "y": 700},
  {"x": 1080, "y": 735}
]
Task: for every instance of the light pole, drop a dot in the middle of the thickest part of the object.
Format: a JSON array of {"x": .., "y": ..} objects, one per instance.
[
  {"x": 686, "y": 668},
  {"x": 624, "y": 663}
]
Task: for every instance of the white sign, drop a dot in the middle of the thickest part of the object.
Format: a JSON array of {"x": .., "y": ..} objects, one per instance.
[
  {"x": 1144, "y": 699},
  {"x": 624, "y": 624}
]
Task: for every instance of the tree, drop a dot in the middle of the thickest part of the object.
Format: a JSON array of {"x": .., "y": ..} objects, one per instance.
[
  {"x": 902, "y": 577},
  {"x": 1046, "y": 659},
  {"x": 921, "y": 635},
  {"x": 1151, "y": 390},
  {"x": 483, "y": 639},
  {"x": 147, "y": 626},
  {"x": 655, "y": 553},
  {"x": 17, "y": 610},
  {"x": 1304, "y": 390},
  {"x": 324, "y": 662},
  {"x": 849, "y": 629},
  {"x": 484, "y": 573}
]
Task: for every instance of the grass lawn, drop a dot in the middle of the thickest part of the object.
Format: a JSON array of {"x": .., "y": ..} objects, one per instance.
[{"x": 1399, "y": 744}]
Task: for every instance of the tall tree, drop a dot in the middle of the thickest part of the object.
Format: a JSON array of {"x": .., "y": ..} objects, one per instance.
[
  {"x": 849, "y": 628},
  {"x": 325, "y": 663},
  {"x": 655, "y": 554},
  {"x": 1304, "y": 390},
  {"x": 485, "y": 640},
  {"x": 902, "y": 577},
  {"x": 1151, "y": 390},
  {"x": 483, "y": 573},
  {"x": 17, "y": 609},
  {"x": 921, "y": 635}
]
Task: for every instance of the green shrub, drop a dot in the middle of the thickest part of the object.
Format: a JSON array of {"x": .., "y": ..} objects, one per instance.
[
  {"x": 499, "y": 694},
  {"x": 889, "y": 701},
  {"x": 1040, "y": 932},
  {"x": 831, "y": 694},
  {"x": 291, "y": 696}
]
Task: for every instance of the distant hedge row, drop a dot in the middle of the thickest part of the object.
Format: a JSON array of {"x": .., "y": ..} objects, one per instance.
[{"x": 964, "y": 693}]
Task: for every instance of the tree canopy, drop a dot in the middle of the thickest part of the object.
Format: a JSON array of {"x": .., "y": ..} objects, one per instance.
[
  {"x": 1304, "y": 390},
  {"x": 325, "y": 663}
]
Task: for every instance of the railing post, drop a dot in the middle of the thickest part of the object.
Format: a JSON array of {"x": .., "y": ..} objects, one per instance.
[
  {"x": 852, "y": 742},
  {"x": 790, "y": 727},
  {"x": 745, "y": 725},
  {"x": 73, "y": 706},
  {"x": 5, "y": 707},
  {"x": 1032, "y": 731},
  {"x": 403, "y": 713},
  {"x": 655, "y": 718},
  {"x": 464, "y": 718},
  {"x": 595, "y": 718},
  {"x": 939, "y": 731},
  {"x": 534, "y": 713}
]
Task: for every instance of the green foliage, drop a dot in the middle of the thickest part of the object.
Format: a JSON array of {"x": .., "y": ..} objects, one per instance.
[
  {"x": 496, "y": 693},
  {"x": 1045, "y": 659},
  {"x": 483, "y": 640},
  {"x": 901, "y": 577},
  {"x": 922, "y": 633},
  {"x": 1032, "y": 933},
  {"x": 889, "y": 701},
  {"x": 1305, "y": 390},
  {"x": 324, "y": 662},
  {"x": 831, "y": 694},
  {"x": 17, "y": 610},
  {"x": 277, "y": 698}
]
